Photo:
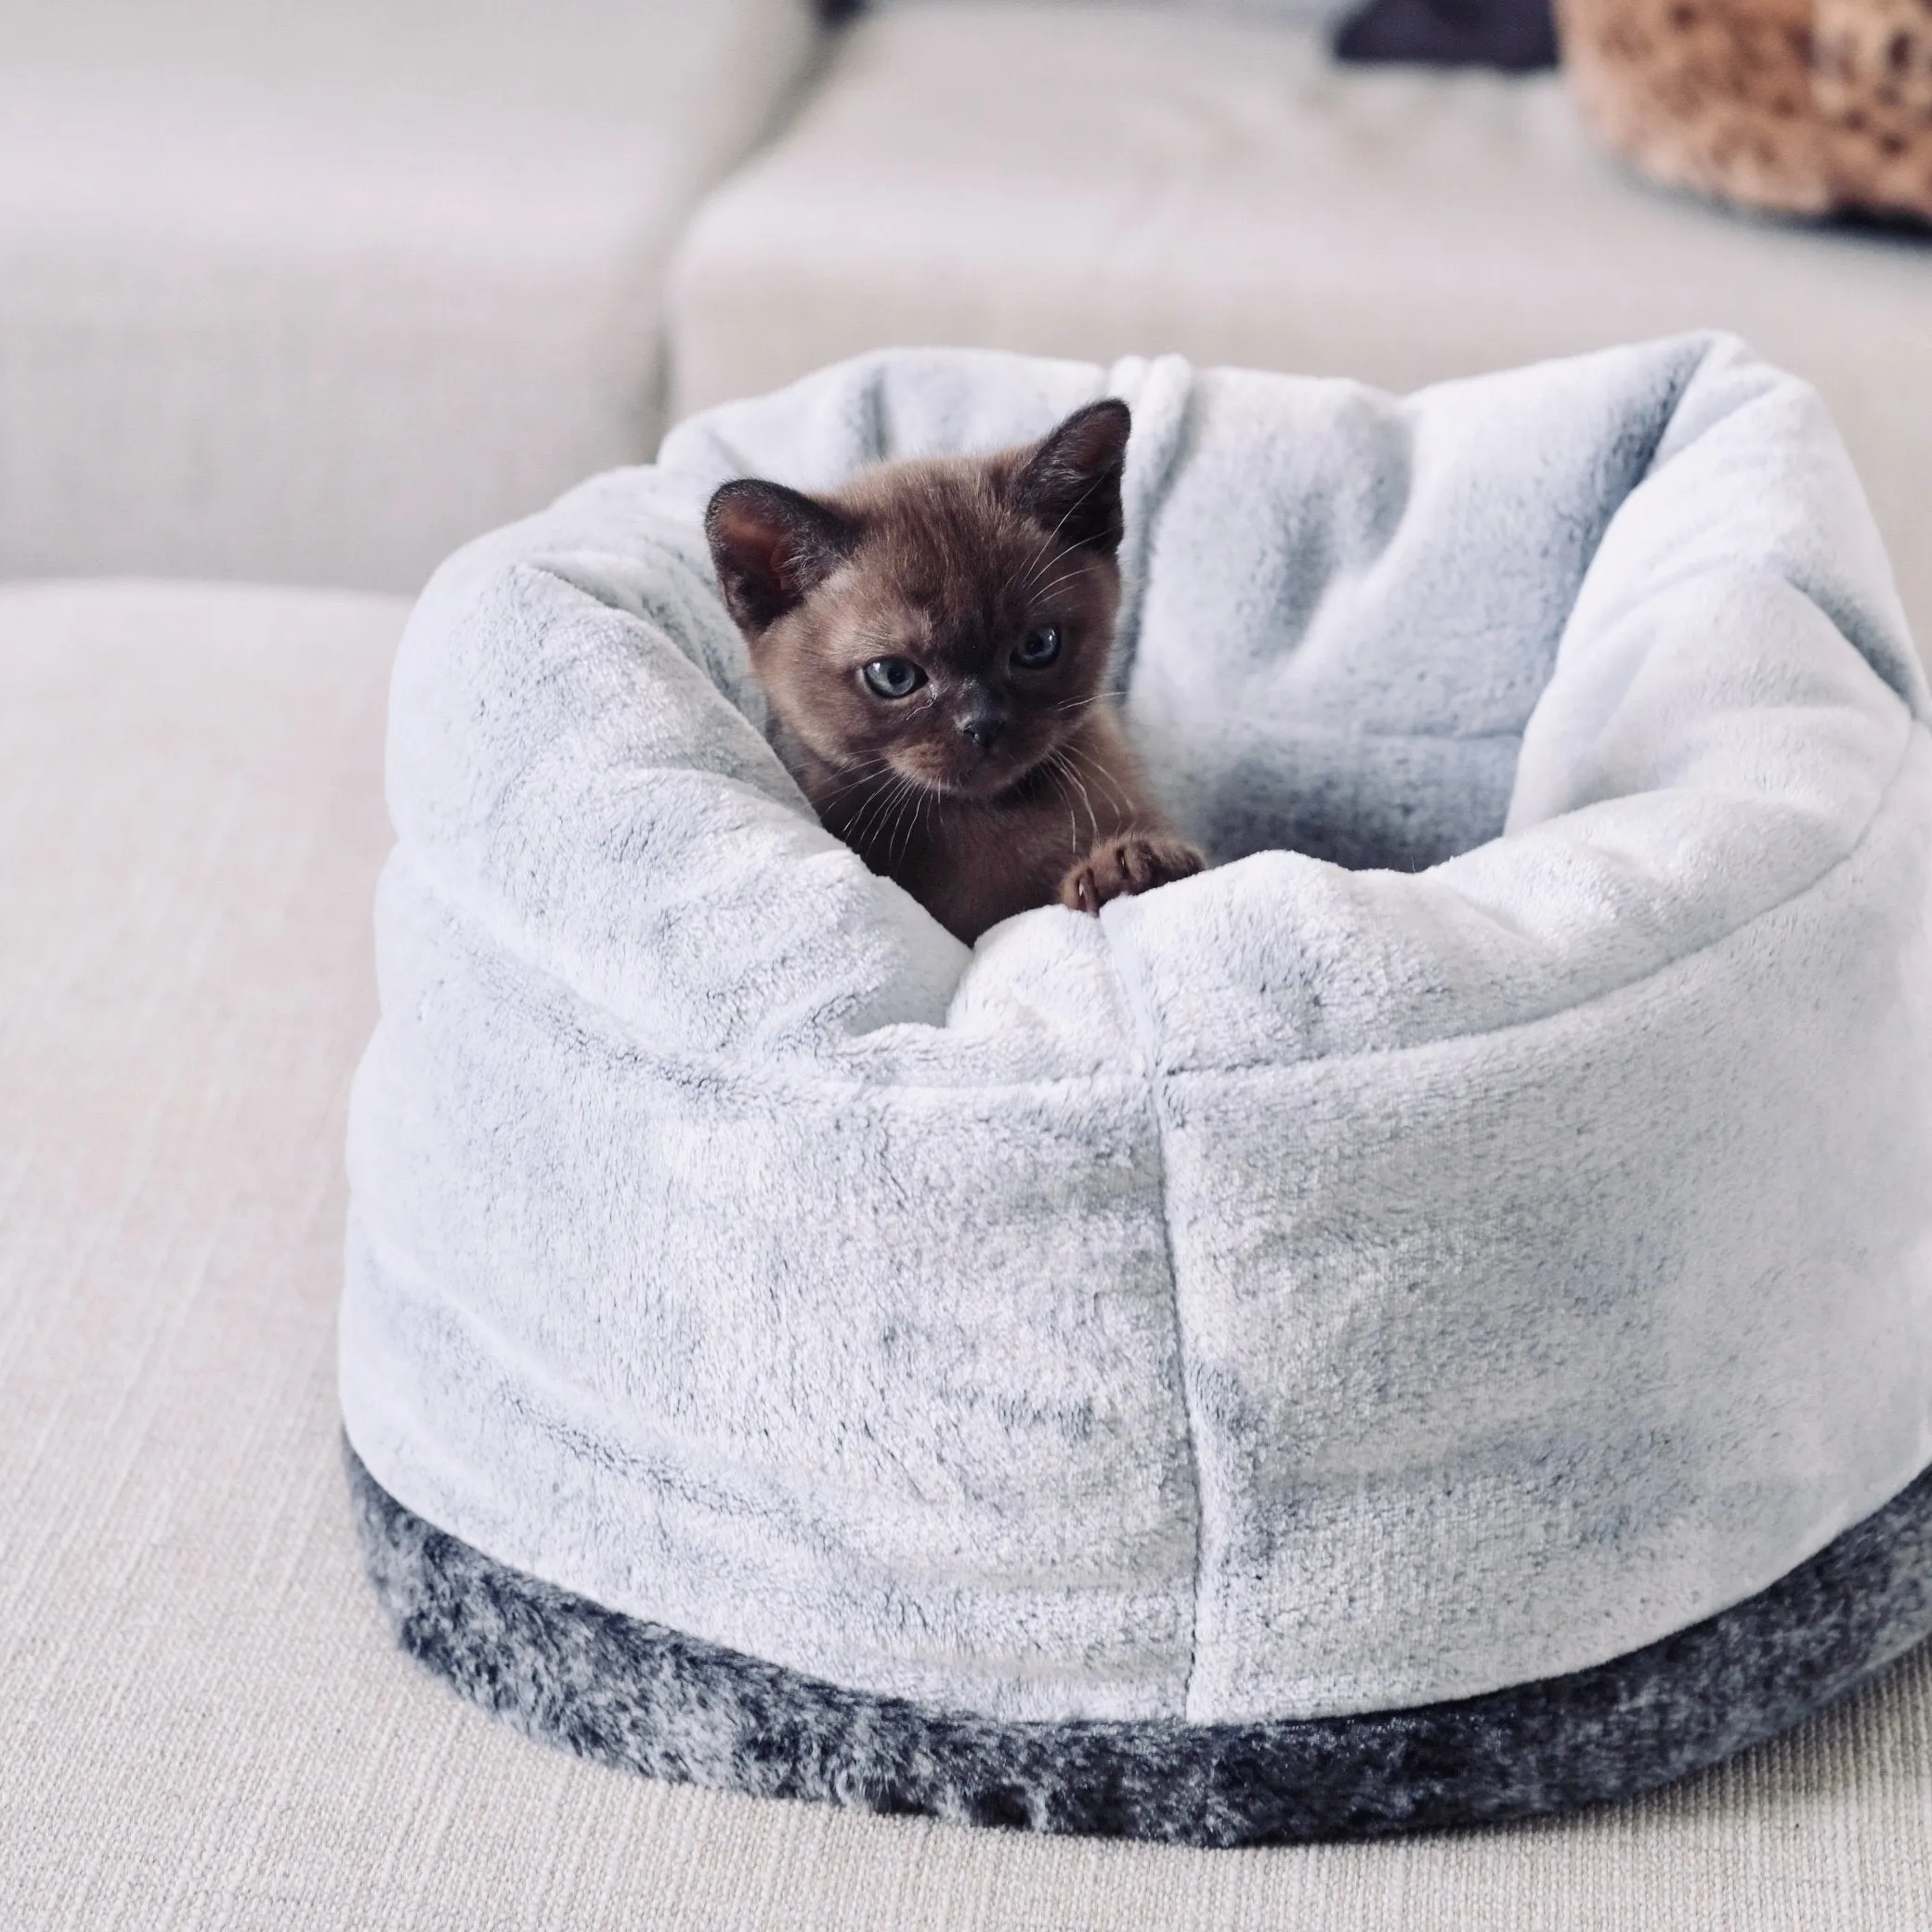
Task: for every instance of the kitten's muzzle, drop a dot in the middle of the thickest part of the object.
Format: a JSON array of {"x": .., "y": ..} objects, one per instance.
[{"x": 984, "y": 728}]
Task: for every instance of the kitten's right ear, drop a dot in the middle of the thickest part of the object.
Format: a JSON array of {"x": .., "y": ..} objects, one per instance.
[
  {"x": 1070, "y": 480},
  {"x": 771, "y": 546}
]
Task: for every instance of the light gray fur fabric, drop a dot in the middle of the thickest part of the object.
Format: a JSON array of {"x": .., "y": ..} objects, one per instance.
[{"x": 1480, "y": 1228}]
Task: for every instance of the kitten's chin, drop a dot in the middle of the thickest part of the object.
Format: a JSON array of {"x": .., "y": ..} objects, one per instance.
[{"x": 979, "y": 787}]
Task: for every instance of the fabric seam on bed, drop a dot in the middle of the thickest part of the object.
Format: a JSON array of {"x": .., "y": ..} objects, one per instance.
[{"x": 1138, "y": 1004}]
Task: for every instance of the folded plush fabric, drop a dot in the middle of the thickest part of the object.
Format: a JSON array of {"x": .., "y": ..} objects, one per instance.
[{"x": 1474, "y": 1233}]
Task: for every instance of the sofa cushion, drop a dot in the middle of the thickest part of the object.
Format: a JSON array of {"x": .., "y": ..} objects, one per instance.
[
  {"x": 315, "y": 292},
  {"x": 1101, "y": 181}
]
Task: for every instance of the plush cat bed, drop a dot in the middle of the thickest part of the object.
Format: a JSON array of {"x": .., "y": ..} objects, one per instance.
[
  {"x": 1804, "y": 107},
  {"x": 1430, "y": 1320}
]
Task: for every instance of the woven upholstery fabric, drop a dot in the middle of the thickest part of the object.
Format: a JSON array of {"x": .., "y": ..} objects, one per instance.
[
  {"x": 313, "y": 293},
  {"x": 1101, "y": 181},
  {"x": 206, "y": 1726}
]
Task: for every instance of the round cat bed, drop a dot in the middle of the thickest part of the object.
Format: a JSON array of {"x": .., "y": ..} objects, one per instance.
[{"x": 1430, "y": 1320}]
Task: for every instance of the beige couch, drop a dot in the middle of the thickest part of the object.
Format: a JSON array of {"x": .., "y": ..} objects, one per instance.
[
  {"x": 206, "y": 1724},
  {"x": 1095, "y": 181},
  {"x": 309, "y": 291}
]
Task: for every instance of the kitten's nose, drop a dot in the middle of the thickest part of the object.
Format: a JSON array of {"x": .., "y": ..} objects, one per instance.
[{"x": 982, "y": 729}]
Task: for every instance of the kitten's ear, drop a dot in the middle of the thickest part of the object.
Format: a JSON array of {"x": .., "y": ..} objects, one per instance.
[
  {"x": 771, "y": 546},
  {"x": 1070, "y": 481}
]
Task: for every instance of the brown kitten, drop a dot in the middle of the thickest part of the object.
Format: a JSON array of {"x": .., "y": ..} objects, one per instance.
[{"x": 933, "y": 638}]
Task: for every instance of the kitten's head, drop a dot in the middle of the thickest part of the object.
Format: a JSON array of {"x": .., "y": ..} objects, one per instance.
[{"x": 946, "y": 620}]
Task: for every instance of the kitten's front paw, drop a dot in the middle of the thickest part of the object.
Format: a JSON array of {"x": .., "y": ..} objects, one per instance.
[{"x": 1135, "y": 862}]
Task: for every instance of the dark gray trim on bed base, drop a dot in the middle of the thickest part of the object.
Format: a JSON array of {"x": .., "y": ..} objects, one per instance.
[{"x": 627, "y": 1692}]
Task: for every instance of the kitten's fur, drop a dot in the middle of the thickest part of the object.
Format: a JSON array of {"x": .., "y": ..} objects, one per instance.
[{"x": 992, "y": 785}]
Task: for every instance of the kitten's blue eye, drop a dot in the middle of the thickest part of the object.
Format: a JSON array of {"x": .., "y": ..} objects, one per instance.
[
  {"x": 1039, "y": 648},
  {"x": 894, "y": 677}
]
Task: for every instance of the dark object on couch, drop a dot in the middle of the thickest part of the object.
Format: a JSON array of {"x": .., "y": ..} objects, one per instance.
[{"x": 1516, "y": 35}]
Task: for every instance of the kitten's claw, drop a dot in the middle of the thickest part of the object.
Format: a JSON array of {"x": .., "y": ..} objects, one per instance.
[{"x": 1135, "y": 862}]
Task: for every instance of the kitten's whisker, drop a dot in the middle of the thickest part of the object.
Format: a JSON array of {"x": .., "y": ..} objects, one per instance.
[
  {"x": 853, "y": 779},
  {"x": 916, "y": 798},
  {"x": 908, "y": 822},
  {"x": 1047, "y": 589},
  {"x": 1037, "y": 561},
  {"x": 873, "y": 811},
  {"x": 1031, "y": 566},
  {"x": 1092, "y": 820},
  {"x": 1118, "y": 792},
  {"x": 1073, "y": 824},
  {"x": 854, "y": 829},
  {"x": 1103, "y": 777},
  {"x": 859, "y": 765},
  {"x": 865, "y": 768},
  {"x": 882, "y": 828},
  {"x": 882, "y": 819},
  {"x": 1061, "y": 524},
  {"x": 902, "y": 794}
]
